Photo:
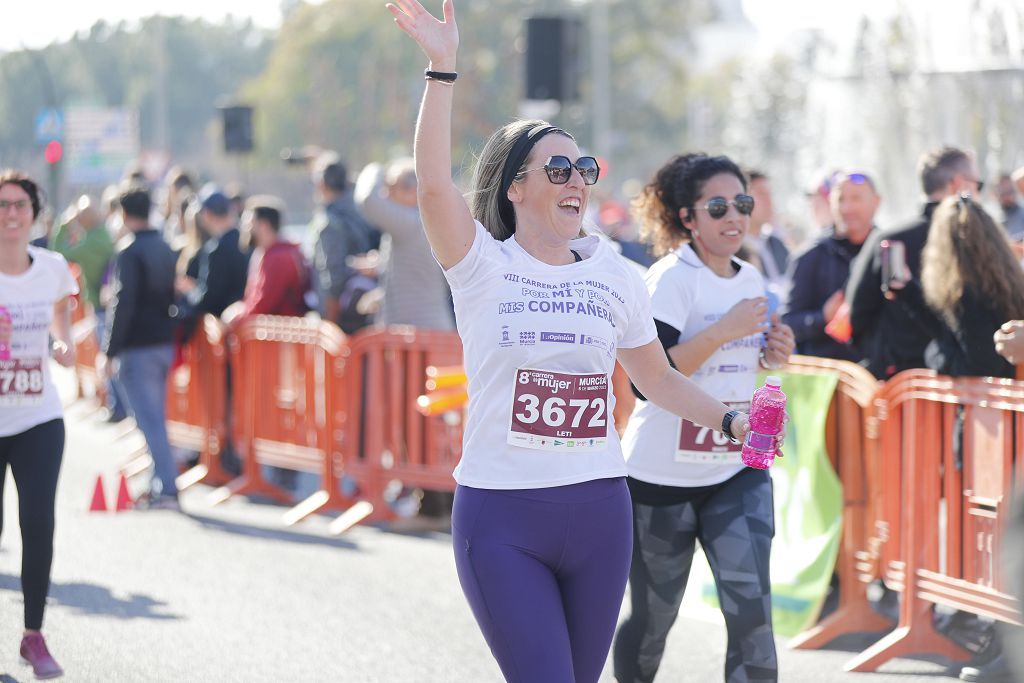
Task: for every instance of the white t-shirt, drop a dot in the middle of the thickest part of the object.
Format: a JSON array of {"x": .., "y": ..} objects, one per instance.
[
  {"x": 660, "y": 447},
  {"x": 539, "y": 347},
  {"x": 27, "y": 394}
]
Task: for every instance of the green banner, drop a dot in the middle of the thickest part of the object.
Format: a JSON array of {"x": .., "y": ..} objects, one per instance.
[{"x": 808, "y": 508}]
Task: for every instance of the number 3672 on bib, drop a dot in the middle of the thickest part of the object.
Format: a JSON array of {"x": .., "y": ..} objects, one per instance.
[{"x": 558, "y": 411}]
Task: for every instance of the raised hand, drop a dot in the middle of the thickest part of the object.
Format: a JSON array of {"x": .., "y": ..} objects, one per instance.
[{"x": 439, "y": 40}]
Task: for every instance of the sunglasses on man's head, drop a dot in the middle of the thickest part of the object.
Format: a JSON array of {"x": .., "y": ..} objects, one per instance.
[
  {"x": 719, "y": 206},
  {"x": 559, "y": 168},
  {"x": 855, "y": 178}
]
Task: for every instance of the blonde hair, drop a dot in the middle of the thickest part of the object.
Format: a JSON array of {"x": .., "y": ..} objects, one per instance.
[
  {"x": 486, "y": 190},
  {"x": 966, "y": 248},
  {"x": 193, "y": 237}
]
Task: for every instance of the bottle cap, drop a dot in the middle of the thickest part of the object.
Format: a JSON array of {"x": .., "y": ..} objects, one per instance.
[{"x": 773, "y": 381}]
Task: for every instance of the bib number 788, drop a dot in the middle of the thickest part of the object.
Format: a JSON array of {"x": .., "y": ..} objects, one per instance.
[{"x": 21, "y": 382}]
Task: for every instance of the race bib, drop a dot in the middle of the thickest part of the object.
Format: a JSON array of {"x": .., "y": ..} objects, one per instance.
[
  {"x": 21, "y": 382},
  {"x": 706, "y": 446},
  {"x": 557, "y": 411}
]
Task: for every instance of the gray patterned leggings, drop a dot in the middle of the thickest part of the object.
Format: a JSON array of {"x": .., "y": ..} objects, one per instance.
[{"x": 734, "y": 522}]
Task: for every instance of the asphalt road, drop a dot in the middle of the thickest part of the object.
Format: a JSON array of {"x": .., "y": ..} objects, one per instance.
[{"x": 228, "y": 593}]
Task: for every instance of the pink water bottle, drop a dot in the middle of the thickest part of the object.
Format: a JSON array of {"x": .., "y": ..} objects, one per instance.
[
  {"x": 767, "y": 417},
  {"x": 5, "y": 334}
]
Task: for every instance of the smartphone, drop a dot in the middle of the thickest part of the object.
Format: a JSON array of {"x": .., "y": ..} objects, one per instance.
[
  {"x": 895, "y": 271},
  {"x": 773, "y": 303},
  {"x": 773, "y": 306}
]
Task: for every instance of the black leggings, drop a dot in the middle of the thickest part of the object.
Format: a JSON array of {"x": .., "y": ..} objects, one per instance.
[
  {"x": 734, "y": 523},
  {"x": 34, "y": 456}
]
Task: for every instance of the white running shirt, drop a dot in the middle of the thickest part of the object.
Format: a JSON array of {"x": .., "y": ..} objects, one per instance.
[
  {"x": 660, "y": 448},
  {"x": 27, "y": 394},
  {"x": 539, "y": 346}
]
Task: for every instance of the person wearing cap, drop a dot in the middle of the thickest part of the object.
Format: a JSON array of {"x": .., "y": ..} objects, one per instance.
[
  {"x": 341, "y": 234},
  {"x": 222, "y": 265},
  {"x": 818, "y": 206}
]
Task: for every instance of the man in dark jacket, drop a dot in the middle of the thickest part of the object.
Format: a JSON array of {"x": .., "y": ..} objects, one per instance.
[
  {"x": 140, "y": 333},
  {"x": 818, "y": 275},
  {"x": 891, "y": 322},
  {"x": 223, "y": 266}
]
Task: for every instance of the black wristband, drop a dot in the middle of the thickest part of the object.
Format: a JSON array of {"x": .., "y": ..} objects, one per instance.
[
  {"x": 446, "y": 76},
  {"x": 727, "y": 424}
]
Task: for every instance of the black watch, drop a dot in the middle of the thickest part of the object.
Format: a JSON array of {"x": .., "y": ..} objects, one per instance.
[{"x": 727, "y": 424}]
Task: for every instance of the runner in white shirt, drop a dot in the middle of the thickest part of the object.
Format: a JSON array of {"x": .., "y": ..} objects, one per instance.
[
  {"x": 36, "y": 287},
  {"x": 541, "y": 521},
  {"x": 688, "y": 482}
]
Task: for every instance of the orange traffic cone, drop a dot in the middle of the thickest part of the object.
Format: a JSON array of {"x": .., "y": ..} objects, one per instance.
[
  {"x": 124, "y": 498},
  {"x": 99, "y": 500}
]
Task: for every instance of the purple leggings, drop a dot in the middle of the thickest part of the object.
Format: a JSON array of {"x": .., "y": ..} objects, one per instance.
[{"x": 544, "y": 571}]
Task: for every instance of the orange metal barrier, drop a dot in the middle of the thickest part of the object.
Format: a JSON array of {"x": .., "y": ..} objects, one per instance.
[
  {"x": 852, "y": 441},
  {"x": 285, "y": 416},
  {"x": 398, "y": 441},
  {"x": 197, "y": 404},
  {"x": 83, "y": 331},
  {"x": 86, "y": 350},
  {"x": 953, "y": 502}
]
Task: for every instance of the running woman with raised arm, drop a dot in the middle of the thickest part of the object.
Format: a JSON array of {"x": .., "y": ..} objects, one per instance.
[{"x": 541, "y": 522}]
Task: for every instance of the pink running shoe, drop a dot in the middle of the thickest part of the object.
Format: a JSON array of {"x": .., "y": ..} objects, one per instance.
[{"x": 34, "y": 652}]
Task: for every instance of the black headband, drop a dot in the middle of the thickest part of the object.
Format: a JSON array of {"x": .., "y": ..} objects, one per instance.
[{"x": 520, "y": 150}]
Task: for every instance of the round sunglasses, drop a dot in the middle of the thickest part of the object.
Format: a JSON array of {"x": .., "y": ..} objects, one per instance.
[
  {"x": 559, "y": 168},
  {"x": 719, "y": 206}
]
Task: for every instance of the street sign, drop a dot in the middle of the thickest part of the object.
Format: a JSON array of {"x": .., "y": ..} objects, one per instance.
[
  {"x": 49, "y": 125},
  {"x": 101, "y": 143}
]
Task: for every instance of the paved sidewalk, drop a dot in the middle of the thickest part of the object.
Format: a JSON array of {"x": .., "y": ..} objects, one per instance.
[{"x": 228, "y": 594}]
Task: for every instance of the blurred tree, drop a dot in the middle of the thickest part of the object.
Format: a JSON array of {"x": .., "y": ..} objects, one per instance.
[
  {"x": 342, "y": 76},
  {"x": 115, "y": 65}
]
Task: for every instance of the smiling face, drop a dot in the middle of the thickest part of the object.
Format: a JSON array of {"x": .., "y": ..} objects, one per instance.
[
  {"x": 16, "y": 219},
  {"x": 721, "y": 237},
  {"x": 853, "y": 207},
  {"x": 555, "y": 211}
]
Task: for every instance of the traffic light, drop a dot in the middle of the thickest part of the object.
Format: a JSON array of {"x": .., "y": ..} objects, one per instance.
[{"x": 53, "y": 152}]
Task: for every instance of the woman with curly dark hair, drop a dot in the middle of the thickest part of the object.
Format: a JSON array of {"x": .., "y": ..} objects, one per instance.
[{"x": 686, "y": 483}]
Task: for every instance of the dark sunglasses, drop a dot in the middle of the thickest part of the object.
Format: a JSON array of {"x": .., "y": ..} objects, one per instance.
[
  {"x": 719, "y": 206},
  {"x": 559, "y": 168}
]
